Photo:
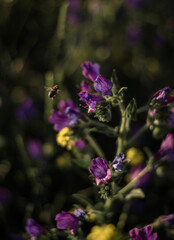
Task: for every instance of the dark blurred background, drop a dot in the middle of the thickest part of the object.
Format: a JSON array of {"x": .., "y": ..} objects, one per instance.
[{"x": 43, "y": 43}]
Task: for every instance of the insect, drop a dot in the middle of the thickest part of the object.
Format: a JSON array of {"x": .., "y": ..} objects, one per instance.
[{"x": 53, "y": 91}]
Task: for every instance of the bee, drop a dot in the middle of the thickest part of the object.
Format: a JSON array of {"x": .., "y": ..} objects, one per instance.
[{"x": 53, "y": 91}]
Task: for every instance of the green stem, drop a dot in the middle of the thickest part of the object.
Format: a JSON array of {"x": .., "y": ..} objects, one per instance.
[
  {"x": 121, "y": 138},
  {"x": 123, "y": 217},
  {"x": 122, "y": 107},
  {"x": 108, "y": 204},
  {"x": 138, "y": 134},
  {"x": 132, "y": 184},
  {"x": 142, "y": 109},
  {"x": 95, "y": 146},
  {"x": 99, "y": 124}
]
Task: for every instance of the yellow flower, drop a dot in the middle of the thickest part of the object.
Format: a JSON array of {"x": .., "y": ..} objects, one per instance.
[
  {"x": 104, "y": 232},
  {"x": 64, "y": 161},
  {"x": 63, "y": 138},
  {"x": 135, "y": 156}
]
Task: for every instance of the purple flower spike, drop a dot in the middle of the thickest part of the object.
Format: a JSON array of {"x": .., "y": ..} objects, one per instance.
[
  {"x": 169, "y": 219},
  {"x": 90, "y": 70},
  {"x": 90, "y": 99},
  {"x": 67, "y": 221},
  {"x": 103, "y": 86},
  {"x": 68, "y": 115},
  {"x": 117, "y": 164},
  {"x": 143, "y": 234},
  {"x": 100, "y": 170},
  {"x": 167, "y": 147},
  {"x": 79, "y": 213},
  {"x": 162, "y": 96},
  {"x": 33, "y": 228},
  {"x": 85, "y": 86}
]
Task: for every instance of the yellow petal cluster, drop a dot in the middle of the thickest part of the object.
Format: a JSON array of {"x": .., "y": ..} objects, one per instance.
[
  {"x": 63, "y": 138},
  {"x": 135, "y": 156},
  {"x": 104, "y": 232}
]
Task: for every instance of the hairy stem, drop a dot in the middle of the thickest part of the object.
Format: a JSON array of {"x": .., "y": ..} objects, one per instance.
[
  {"x": 132, "y": 184},
  {"x": 121, "y": 138},
  {"x": 142, "y": 109}
]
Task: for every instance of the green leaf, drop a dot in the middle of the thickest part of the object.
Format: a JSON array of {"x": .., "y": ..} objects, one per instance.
[
  {"x": 135, "y": 193},
  {"x": 122, "y": 90}
]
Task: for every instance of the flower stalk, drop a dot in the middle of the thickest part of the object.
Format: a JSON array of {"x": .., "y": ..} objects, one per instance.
[{"x": 132, "y": 184}]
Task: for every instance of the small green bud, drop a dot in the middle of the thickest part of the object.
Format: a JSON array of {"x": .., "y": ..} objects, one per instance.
[
  {"x": 103, "y": 113},
  {"x": 131, "y": 108}
]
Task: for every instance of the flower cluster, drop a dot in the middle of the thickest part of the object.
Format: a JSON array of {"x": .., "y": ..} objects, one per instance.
[
  {"x": 100, "y": 170},
  {"x": 143, "y": 234},
  {"x": 104, "y": 232},
  {"x": 109, "y": 176},
  {"x": 163, "y": 96},
  {"x": 67, "y": 115},
  {"x": 160, "y": 114},
  {"x": 101, "y": 85}
]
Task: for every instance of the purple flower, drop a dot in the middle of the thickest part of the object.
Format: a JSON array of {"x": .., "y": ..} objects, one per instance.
[
  {"x": 169, "y": 219},
  {"x": 85, "y": 86},
  {"x": 90, "y": 99},
  {"x": 33, "y": 228},
  {"x": 100, "y": 170},
  {"x": 80, "y": 144},
  {"x": 90, "y": 70},
  {"x": 27, "y": 110},
  {"x": 34, "y": 147},
  {"x": 67, "y": 221},
  {"x": 103, "y": 86},
  {"x": 117, "y": 164},
  {"x": 162, "y": 96},
  {"x": 143, "y": 234},
  {"x": 67, "y": 115},
  {"x": 134, "y": 172},
  {"x": 79, "y": 213},
  {"x": 167, "y": 147}
]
